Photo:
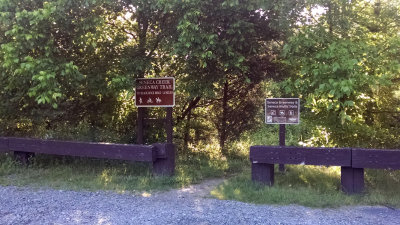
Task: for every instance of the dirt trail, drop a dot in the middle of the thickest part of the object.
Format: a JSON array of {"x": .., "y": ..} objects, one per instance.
[{"x": 201, "y": 190}]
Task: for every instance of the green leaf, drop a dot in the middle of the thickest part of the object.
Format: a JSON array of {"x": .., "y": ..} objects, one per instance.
[
  {"x": 349, "y": 103},
  {"x": 336, "y": 66}
]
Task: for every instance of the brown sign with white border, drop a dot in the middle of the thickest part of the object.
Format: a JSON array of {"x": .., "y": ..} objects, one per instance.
[
  {"x": 155, "y": 92},
  {"x": 282, "y": 111}
]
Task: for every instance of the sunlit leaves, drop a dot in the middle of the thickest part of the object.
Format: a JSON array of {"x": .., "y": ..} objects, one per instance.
[{"x": 345, "y": 61}]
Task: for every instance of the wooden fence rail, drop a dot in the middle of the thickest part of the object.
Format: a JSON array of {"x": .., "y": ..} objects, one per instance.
[
  {"x": 352, "y": 162},
  {"x": 160, "y": 155}
]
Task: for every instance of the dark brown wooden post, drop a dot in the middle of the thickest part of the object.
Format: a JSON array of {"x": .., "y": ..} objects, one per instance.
[
  {"x": 358, "y": 176},
  {"x": 4, "y": 146},
  {"x": 139, "y": 124},
  {"x": 263, "y": 173},
  {"x": 282, "y": 140},
  {"x": 169, "y": 125},
  {"x": 352, "y": 180},
  {"x": 346, "y": 179},
  {"x": 164, "y": 165}
]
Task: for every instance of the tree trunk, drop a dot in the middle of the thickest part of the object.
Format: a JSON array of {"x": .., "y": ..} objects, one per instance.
[
  {"x": 187, "y": 129},
  {"x": 222, "y": 136},
  {"x": 330, "y": 22},
  {"x": 142, "y": 112}
]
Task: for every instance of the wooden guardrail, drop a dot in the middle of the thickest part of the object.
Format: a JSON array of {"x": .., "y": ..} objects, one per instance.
[
  {"x": 160, "y": 155},
  {"x": 351, "y": 160}
]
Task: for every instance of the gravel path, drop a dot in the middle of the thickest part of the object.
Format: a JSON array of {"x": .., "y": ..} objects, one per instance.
[{"x": 184, "y": 206}]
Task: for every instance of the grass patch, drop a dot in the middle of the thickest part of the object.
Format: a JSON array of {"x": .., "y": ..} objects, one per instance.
[
  {"x": 312, "y": 186},
  {"x": 74, "y": 173}
]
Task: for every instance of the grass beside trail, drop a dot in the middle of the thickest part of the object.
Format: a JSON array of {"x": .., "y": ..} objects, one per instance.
[
  {"x": 312, "y": 186},
  {"x": 74, "y": 173}
]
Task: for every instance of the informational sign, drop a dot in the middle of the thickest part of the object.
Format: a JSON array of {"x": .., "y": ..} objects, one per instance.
[
  {"x": 282, "y": 111},
  {"x": 155, "y": 92}
]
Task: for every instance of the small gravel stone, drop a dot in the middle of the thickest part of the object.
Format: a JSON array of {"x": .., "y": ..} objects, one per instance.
[{"x": 184, "y": 206}]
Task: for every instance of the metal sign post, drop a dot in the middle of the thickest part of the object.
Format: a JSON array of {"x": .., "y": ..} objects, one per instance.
[
  {"x": 282, "y": 111},
  {"x": 155, "y": 92}
]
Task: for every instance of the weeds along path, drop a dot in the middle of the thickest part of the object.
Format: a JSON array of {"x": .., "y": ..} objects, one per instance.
[{"x": 190, "y": 205}]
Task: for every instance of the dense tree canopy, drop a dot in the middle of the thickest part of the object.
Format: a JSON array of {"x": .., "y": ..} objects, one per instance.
[
  {"x": 346, "y": 66},
  {"x": 67, "y": 68}
]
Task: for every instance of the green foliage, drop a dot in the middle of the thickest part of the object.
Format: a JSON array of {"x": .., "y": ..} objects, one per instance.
[
  {"x": 32, "y": 52},
  {"x": 220, "y": 41},
  {"x": 68, "y": 63},
  {"x": 269, "y": 134},
  {"x": 67, "y": 68},
  {"x": 7, "y": 165},
  {"x": 221, "y": 46},
  {"x": 345, "y": 62},
  {"x": 60, "y": 63}
]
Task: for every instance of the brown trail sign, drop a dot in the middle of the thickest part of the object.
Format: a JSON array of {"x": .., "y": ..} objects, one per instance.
[
  {"x": 282, "y": 111},
  {"x": 155, "y": 92}
]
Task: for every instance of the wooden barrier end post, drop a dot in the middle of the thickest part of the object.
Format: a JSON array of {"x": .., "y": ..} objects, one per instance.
[
  {"x": 164, "y": 164},
  {"x": 263, "y": 173}
]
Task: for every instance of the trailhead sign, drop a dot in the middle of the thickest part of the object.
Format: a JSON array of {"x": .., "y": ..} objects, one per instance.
[
  {"x": 282, "y": 111},
  {"x": 155, "y": 92}
]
